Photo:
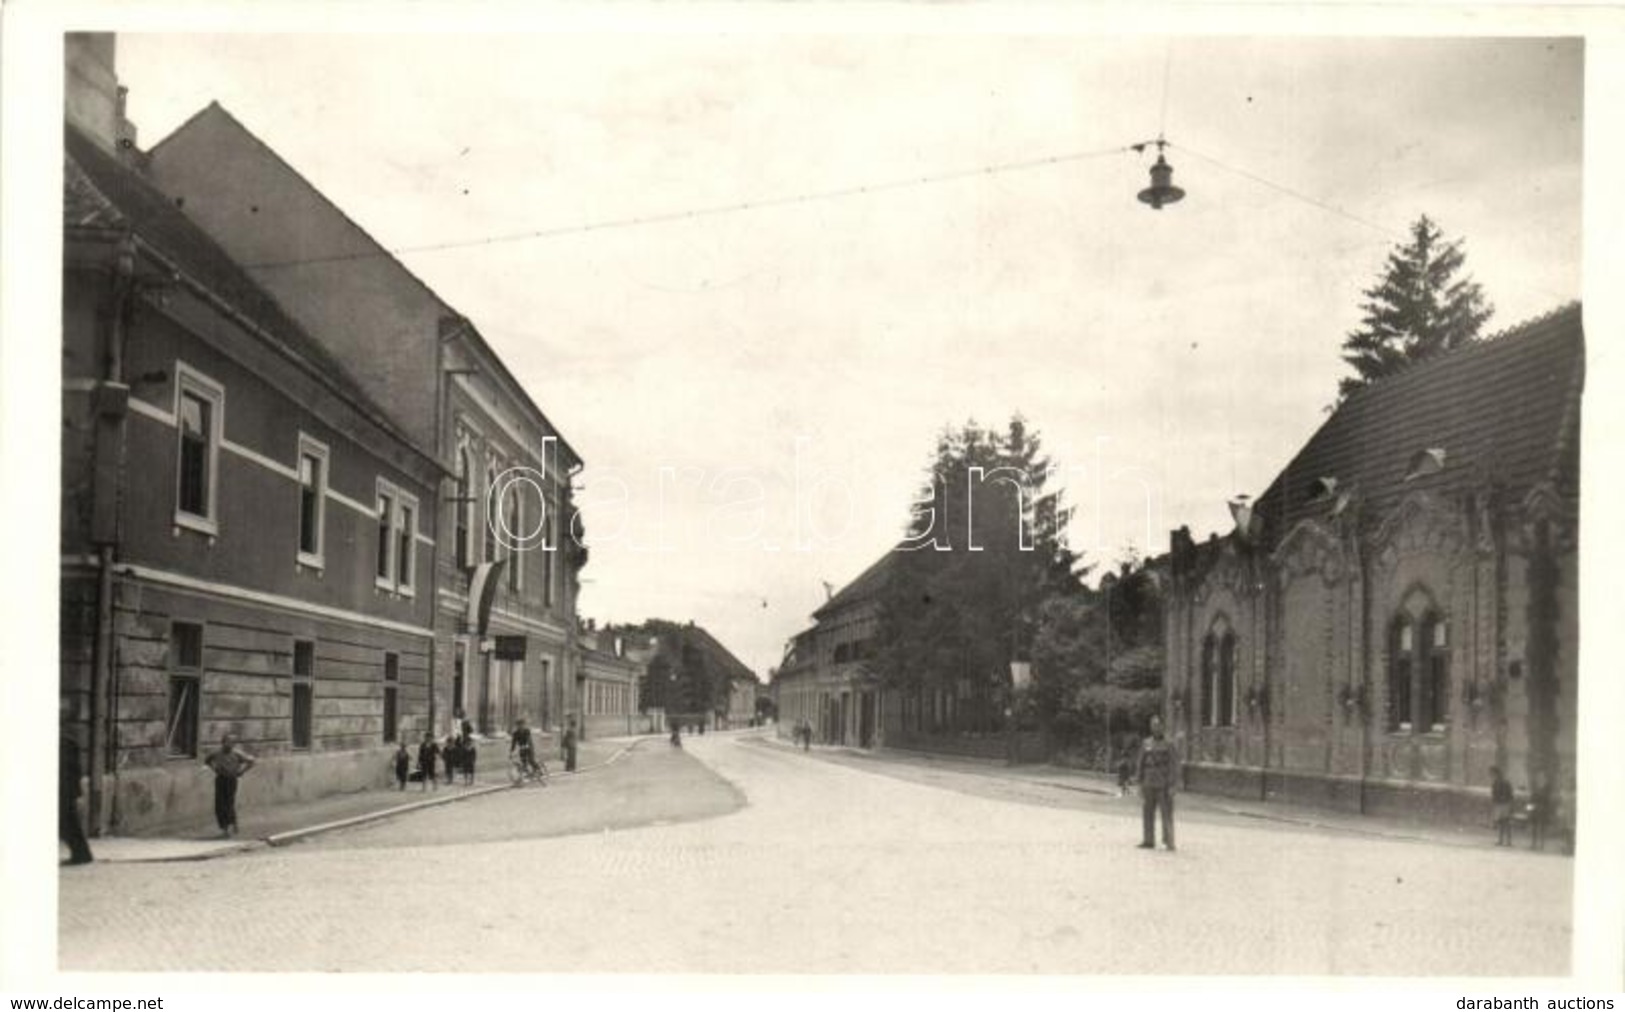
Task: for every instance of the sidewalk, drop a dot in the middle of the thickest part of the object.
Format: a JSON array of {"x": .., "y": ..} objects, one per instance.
[
  {"x": 286, "y": 823},
  {"x": 1105, "y": 785}
]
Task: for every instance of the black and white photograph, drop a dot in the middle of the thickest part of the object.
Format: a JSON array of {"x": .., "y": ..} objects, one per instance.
[{"x": 845, "y": 492}]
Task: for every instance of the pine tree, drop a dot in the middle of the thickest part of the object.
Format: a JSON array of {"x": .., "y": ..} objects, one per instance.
[{"x": 1416, "y": 309}]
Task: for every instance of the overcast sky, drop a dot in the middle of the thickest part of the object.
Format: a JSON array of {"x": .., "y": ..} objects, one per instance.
[{"x": 1170, "y": 359}]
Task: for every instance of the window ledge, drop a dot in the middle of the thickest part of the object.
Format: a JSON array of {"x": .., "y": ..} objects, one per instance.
[
  {"x": 309, "y": 561},
  {"x": 193, "y": 522}
]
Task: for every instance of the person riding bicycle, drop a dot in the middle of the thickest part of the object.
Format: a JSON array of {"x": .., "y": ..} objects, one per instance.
[{"x": 520, "y": 740}]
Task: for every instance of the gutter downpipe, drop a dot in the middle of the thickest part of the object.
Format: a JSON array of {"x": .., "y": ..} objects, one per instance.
[{"x": 110, "y": 407}]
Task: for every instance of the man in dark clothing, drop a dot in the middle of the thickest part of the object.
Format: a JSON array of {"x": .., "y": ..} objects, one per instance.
[
  {"x": 1501, "y": 806},
  {"x": 520, "y": 741},
  {"x": 569, "y": 746},
  {"x": 1157, "y": 768},
  {"x": 229, "y": 763},
  {"x": 69, "y": 831}
]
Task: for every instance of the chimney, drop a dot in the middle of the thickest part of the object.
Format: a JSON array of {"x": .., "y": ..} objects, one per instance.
[{"x": 95, "y": 103}]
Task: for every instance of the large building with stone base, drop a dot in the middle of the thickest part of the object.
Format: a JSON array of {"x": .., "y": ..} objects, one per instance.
[
  {"x": 1397, "y": 613},
  {"x": 246, "y": 538}
]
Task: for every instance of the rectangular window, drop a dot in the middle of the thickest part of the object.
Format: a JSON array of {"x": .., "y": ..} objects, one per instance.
[
  {"x": 304, "y": 670},
  {"x": 406, "y": 526},
  {"x": 199, "y": 408},
  {"x": 195, "y": 421},
  {"x": 313, "y": 458},
  {"x": 457, "y": 668},
  {"x": 386, "y": 543},
  {"x": 392, "y": 679},
  {"x": 185, "y": 685},
  {"x": 397, "y": 539}
]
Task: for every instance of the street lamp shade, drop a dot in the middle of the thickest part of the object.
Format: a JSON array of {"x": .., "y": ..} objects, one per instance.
[{"x": 1162, "y": 189}]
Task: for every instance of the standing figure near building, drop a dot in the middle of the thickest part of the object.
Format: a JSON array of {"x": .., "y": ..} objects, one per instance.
[
  {"x": 1501, "y": 806},
  {"x": 69, "y": 830},
  {"x": 1157, "y": 768},
  {"x": 403, "y": 765},
  {"x": 452, "y": 757},
  {"x": 229, "y": 763},
  {"x": 468, "y": 753},
  {"x": 569, "y": 746},
  {"x": 1540, "y": 810},
  {"x": 429, "y": 761}
]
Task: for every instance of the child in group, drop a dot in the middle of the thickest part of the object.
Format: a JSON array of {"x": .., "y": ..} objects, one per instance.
[
  {"x": 453, "y": 758},
  {"x": 429, "y": 761},
  {"x": 403, "y": 763}
]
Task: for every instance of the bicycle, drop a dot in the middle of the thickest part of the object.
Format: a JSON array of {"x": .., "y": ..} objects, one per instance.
[{"x": 524, "y": 769}]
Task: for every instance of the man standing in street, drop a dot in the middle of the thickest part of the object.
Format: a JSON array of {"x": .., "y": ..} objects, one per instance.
[
  {"x": 1157, "y": 768},
  {"x": 229, "y": 763},
  {"x": 69, "y": 831},
  {"x": 570, "y": 746}
]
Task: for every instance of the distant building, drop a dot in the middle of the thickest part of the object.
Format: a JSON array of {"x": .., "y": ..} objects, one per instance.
[
  {"x": 826, "y": 677},
  {"x": 1399, "y": 611},
  {"x": 246, "y": 535},
  {"x": 689, "y": 676},
  {"x": 504, "y": 609},
  {"x": 612, "y": 671}
]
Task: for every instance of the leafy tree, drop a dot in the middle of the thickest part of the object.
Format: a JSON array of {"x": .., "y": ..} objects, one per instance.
[
  {"x": 985, "y": 549},
  {"x": 1417, "y": 308}
]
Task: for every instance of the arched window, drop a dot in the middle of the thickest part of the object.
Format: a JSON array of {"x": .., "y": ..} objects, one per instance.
[
  {"x": 1434, "y": 647},
  {"x": 1226, "y": 714},
  {"x": 1419, "y": 671},
  {"x": 492, "y": 469},
  {"x": 514, "y": 518},
  {"x": 1401, "y": 672},
  {"x": 464, "y": 509},
  {"x": 1204, "y": 686}
]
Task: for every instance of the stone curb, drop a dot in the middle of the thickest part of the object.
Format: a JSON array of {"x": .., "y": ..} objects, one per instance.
[{"x": 294, "y": 835}]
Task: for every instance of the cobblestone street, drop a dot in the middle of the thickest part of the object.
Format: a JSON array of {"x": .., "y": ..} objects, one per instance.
[{"x": 736, "y": 856}]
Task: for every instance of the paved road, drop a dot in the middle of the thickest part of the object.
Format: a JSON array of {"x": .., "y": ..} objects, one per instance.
[{"x": 734, "y": 857}]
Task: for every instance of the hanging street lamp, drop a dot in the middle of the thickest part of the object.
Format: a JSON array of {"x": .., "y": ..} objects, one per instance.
[{"x": 1162, "y": 189}]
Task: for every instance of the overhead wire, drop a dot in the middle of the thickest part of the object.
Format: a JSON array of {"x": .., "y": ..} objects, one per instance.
[{"x": 867, "y": 189}]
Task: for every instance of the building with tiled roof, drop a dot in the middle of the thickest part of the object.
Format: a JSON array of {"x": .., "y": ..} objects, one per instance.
[
  {"x": 1397, "y": 613},
  {"x": 505, "y": 614},
  {"x": 826, "y": 682},
  {"x": 246, "y": 535}
]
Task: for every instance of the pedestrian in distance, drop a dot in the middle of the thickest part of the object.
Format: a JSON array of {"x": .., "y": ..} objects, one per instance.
[
  {"x": 677, "y": 735},
  {"x": 451, "y": 757},
  {"x": 1540, "y": 810},
  {"x": 1501, "y": 806},
  {"x": 403, "y": 765},
  {"x": 1125, "y": 771},
  {"x": 1157, "y": 768},
  {"x": 229, "y": 763},
  {"x": 69, "y": 829},
  {"x": 429, "y": 762},
  {"x": 569, "y": 746},
  {"x": 520, "y": 741},
  {"x": 468, "y": 752}
]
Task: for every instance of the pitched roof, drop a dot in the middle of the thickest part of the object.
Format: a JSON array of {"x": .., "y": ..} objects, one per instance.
[
  {"x": 865, "y": 586},
  {"x": 1504, "y": 408},
  {"x": 214, "y": 112},
  {"x": 101, "y": 193},
  {"x": 721, "y": 655}
]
